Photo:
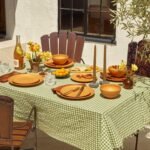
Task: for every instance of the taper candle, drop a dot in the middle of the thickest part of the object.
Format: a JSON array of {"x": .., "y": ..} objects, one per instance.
[
  {"x": 104, "y": 64},
  {"x": 94, "y": 65}
]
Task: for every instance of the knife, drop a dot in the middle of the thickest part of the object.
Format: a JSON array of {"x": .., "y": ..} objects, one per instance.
[{"x": 80, "y": 91}]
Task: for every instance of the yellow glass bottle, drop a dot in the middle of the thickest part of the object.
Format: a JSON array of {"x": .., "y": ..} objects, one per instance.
[{"x": 18, "y": 55}]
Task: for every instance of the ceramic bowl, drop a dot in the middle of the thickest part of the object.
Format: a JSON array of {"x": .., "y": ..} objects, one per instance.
[
  {"x": 60, "y": 59},
  {"x": 116, "y": 72},
  {"x": 61, "y": 73},
  {"x": 110, "y": 90}
]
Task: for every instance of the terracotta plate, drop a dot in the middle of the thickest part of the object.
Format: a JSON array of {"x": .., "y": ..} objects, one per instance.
[
  {"x": 82, "y": 77},
  {"x": 84, "y": 69},
  {"x": 85, "y": 94},
  {"x": 111, "y": 78},
  {"x": 50, "y": 64},
  {"x": 26, "y": 80}
]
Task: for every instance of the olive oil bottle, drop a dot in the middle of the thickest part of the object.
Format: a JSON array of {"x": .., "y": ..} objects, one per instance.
[{"x": 18, "y": 55}]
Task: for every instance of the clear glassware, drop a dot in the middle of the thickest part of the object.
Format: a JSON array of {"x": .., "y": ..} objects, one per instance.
[
  {"x": 50, "y": 79},
  {"x": 4, "y": 67}
]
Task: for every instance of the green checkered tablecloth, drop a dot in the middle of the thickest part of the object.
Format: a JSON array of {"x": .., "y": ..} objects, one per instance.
[{"x": 93, "y": 124}]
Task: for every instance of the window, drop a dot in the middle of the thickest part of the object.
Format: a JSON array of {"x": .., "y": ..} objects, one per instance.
[
  {"x": 90, "y": 18},
  {"x": 2, "y": 19}
]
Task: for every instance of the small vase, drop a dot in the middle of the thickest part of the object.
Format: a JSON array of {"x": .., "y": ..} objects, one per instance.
[
  {"x": 128, "y": 83},
  {"x": 35, "y": 66}
]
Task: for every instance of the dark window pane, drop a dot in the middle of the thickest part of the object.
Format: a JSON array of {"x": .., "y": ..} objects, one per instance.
[
  {"x": 66, "y": 3},
  {"x": 88, "y": 17},
  {"x": 105, "y": 3},
  {"x": 94, "y": 22},
  {"x": 93, "y": 5},
  {"x": 65, "y": 19},
  {"x": 78, "y": 21},
  {"x": 106, "y": 27},
  {"x": 78, "y": 4}
]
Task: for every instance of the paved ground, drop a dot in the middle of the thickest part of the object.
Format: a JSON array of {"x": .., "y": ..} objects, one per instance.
[{"x": 47, "y": 143}]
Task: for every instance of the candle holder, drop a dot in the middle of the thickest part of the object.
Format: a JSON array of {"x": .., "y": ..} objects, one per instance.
[
  {"x": 103, "y": 82},
  {"x": 94, "y": 84}
]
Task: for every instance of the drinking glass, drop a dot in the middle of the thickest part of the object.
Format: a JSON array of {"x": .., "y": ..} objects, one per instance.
[
  {"x": 4, "y": 67},
  {"x": 50, "y": 79}
]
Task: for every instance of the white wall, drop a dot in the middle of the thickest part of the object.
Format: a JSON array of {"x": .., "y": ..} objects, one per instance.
[{"x": 33, "y": 18}]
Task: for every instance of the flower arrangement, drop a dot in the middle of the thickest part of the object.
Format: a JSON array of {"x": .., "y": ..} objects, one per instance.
[
  {"x": 35, "y": 54},
  {"x": 130, "y": 70}
]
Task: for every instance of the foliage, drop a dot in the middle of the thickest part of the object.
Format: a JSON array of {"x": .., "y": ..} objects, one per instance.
[
  {"x": 133, "y": 16},
  {"x": 36, "y": 55}
]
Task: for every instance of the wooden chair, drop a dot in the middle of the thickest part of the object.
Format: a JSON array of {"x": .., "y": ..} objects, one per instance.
[
  {"x": 139, "y": 54},
  {"x": 64, "y": 43},
  {"x": 13, "y": 134},
  {"x": 132, "y": 47},
  {"x": 143, "y": 58}
]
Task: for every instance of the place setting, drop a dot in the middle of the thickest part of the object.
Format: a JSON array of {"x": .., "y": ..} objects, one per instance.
[
  {"x": 26, "y": 80},
  {"x": 59, "y": 61},
  {"x": 74, "y": 91}
]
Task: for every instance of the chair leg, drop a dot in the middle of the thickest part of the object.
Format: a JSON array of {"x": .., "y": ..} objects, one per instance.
[
  {"x": 136, "y": 140},
  {"x": 34, "y": 111},
  {"x": 35, "y": 132}
]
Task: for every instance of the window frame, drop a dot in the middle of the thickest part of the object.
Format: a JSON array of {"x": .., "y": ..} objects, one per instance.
[{"x": 88, "y": 37}]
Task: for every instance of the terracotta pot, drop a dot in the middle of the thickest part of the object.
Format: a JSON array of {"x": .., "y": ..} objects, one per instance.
[
  {"x": 128, "y": 82},
  {"x": 35, "y": 66}
]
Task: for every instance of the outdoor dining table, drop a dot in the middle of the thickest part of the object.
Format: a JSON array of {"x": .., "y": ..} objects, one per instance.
[{"x": 96, "y": 123}]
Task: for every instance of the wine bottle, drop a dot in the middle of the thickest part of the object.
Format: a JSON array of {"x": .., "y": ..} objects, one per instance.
[{"x": 18, "y": 55}]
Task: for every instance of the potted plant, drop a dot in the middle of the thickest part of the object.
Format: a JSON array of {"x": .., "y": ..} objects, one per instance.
[
  {"x": 134, "y": 17},
  {"x": 36, "y": 56}
]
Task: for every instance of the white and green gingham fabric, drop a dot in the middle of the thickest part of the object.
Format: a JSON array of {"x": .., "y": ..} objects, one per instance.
[{"x": 94, "y": 124}]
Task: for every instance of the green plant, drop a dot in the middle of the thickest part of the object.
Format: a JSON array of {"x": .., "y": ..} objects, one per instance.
[{"x": 133, "y": 16}]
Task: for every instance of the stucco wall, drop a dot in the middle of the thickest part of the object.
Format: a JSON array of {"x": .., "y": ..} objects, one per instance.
[{"x": 33, "y": 18}]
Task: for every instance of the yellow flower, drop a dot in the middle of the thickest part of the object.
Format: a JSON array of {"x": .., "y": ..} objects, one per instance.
[
  {"x": 37, "y": 54},
  {"x": 134, "y": 67},
  {"x": 34, "y": 47},
  {"x": 28, "y": 56},
  {"x": 45, "y": 55},
  {"x": 122, "y": 65}
]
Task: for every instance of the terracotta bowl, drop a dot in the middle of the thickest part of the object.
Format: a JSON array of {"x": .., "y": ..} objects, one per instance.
[
  {"x": 116, "y": 72},
  {"x": 110, "y": 90},
  {"x": 60, "y": 59}
]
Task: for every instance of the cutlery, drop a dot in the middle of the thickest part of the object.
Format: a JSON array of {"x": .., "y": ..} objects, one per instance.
[
  {"x": 80, "y": 91},
  {"x": 72, "y": 90}
]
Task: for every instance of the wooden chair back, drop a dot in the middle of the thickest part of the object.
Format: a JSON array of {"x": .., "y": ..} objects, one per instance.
[
  {"x": 143, "y": 58},
  {"x": 132, "y": 47},
  {"x": 64, "y": 43},
  {"x": 139, "y": 54},
  {"x": 6, "y": 118}
]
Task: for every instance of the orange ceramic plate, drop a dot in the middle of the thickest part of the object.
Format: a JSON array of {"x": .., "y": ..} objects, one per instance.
[
  {"x": 85, "y": 94},
  {"x": 111, "y": 78},
  {"x": 83, "y": 69},
  {"x": 50, "y": 64},
  {"x": 26, "y": 80},
  {"x": 82, "y": 77}
]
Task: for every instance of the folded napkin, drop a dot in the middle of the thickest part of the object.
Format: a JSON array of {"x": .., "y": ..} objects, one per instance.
[
  {"x": 4, "y": 78},
  {"x": 57, "y": 89}
]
